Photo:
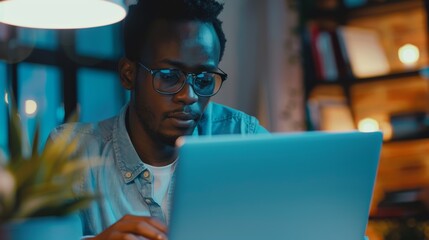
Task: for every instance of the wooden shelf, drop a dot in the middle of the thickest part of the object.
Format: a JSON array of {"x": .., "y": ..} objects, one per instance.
[
  {"x": 383, "y": 7},
  {"x": 387, "y": 77},
  {"x": 391, "y": 99},
  {"x": 341, "y": 13}
]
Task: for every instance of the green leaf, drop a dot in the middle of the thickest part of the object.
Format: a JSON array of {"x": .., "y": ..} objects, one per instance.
[
  {"x": 15, "y": 137},
  {"x": 35, "y": 142},
  {"x": 44, "y": 179}
]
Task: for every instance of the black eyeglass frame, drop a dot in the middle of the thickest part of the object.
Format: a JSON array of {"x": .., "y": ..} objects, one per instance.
[{"x": 222, "y": 74}]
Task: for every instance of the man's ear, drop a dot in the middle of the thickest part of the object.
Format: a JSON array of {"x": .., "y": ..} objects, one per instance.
[{"x": 127, "y": 73}]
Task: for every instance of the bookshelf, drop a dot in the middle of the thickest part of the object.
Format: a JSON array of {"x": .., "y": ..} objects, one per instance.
[{"x": 363, "y": 63}]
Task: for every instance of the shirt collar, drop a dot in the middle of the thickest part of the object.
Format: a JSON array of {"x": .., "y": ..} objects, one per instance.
[{"x": 127, "y": 159}]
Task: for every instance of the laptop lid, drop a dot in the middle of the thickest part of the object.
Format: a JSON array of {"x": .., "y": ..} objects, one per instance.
[{"x": 310, "y": 185}]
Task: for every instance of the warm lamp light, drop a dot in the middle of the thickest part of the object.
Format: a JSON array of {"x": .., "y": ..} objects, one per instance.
[
  {"x": 30, "y": 107},
  {"x": 61, "y": 14},
  {"x": 409, "y": 54},
  {"x": 368, "y": 125}
]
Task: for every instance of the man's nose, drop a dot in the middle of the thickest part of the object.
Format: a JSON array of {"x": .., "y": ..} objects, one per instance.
[{"x": 187, "y": 94}]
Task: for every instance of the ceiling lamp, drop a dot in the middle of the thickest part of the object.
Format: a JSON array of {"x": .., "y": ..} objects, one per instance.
[{"x": 61, "y": 14}]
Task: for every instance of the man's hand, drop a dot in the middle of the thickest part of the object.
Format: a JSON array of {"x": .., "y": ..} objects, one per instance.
[{"x": 134, "y": 228}]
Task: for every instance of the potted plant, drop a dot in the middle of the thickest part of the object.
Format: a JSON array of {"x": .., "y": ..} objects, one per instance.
[{"x": 37, "y": 200}]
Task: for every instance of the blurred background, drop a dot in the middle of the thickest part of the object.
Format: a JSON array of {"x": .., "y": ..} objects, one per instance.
[{"x": 332, "y": 65}]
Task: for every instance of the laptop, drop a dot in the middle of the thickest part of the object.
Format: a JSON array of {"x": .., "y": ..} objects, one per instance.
[{"x": 299, "y": 186}]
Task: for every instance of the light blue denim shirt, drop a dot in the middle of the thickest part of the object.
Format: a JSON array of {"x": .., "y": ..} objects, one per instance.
[{"x": 120, "y": 178}]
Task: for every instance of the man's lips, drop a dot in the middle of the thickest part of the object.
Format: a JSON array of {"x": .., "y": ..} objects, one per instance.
[
  {"x": 182, "y": 116},
  {"x": 182, "y": 119}
]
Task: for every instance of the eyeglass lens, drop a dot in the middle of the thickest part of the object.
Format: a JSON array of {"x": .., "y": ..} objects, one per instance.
[{"x": 172, "y": 81}]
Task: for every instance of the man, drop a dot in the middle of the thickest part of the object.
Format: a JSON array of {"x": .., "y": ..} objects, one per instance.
[{"x": 172, "y": 52}]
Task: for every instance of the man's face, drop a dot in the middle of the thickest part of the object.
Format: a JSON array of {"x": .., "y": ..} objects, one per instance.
[{"x": 190, "y": 46}]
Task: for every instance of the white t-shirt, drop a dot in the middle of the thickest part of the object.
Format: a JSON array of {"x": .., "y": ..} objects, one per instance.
[{"x": 161, "y": 184}]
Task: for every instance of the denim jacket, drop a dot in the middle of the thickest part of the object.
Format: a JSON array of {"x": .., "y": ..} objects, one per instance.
[{"x": 120, "y": 178}]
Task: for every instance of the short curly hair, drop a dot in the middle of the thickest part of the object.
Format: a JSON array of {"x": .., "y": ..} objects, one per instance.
[{"x": 141, "y": 15}]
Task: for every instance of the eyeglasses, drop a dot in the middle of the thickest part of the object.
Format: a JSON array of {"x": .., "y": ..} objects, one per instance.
[{"x": 171, "y": 81}]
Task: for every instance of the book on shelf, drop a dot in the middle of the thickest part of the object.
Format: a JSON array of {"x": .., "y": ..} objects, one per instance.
[
  {"x": 328, "y": 61},
  {"x": 409, "y": 125},
  {"x": 314, "y": 32},
  {"x": 364, "y": 51},
  {"x": 328, "y": 110},
  {"x": 326, "y": 51}
]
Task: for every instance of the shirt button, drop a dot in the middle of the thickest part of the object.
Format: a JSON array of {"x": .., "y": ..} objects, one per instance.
[
  {"x": 148, "y": 201},
  {"x": 128, "y": 174},
  {"x": 146, "y": 174}
]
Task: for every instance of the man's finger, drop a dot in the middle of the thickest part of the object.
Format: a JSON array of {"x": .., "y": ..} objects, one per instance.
[{"x": 142, "y": 227}]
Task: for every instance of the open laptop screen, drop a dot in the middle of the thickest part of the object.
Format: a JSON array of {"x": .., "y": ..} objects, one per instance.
[{"x": 310, "y": 185}]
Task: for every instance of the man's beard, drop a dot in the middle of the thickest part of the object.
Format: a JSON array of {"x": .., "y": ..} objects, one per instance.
[{"x": 158, "y": 137}]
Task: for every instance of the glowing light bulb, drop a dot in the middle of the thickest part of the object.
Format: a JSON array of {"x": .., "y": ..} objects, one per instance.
[
  {"x": 368, "y": 125},
  {"x": 61, "y": 14},
  {"x": 409, "y": 54},
  {"x": 6, "y": 98},
  {"x": 30, "y": 107}
]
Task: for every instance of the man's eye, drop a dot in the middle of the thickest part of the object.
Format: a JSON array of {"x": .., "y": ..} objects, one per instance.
[
  {"x": 169, "y": 76},
  {"x": 204, "y": 81}
]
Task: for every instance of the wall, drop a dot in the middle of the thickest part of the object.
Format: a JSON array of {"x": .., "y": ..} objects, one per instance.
[{"x": 262, "y": 61}]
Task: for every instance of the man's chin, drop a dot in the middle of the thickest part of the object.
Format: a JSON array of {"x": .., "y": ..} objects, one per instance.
[
  {"x": 170, "y": 141},
  {"x": 171, "y": 137}
]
